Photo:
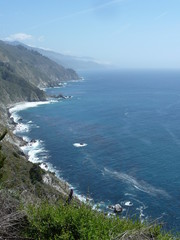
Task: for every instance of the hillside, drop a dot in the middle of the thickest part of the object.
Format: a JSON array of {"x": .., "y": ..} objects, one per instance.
[
  {"x": 77, "y": 63},
  {"x": 68, "y": 61},
  {"x": 22, "y": 72},
  {"x": 22, "y": 183},
  {"x": 14, "y": 88},
  {"x": 33, "y": 67}
]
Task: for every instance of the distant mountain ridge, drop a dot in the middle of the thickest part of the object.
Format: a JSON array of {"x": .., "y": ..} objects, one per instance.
[{"x": 77, "y": 63}]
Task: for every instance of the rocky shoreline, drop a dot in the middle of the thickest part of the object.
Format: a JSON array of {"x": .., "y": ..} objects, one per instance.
[{"x": 58, "y": 186}]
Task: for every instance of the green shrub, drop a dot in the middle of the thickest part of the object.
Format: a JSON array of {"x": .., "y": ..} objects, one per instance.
[
  {"x": 35, "y": 174},
  {"x": 81, "y": 222}
]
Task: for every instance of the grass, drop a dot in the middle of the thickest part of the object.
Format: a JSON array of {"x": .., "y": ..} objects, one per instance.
[{"x": 75, "y": 221}]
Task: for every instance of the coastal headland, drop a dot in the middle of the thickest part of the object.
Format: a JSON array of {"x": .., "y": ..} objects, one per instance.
[
  {"x": 23, "y": 74},
  {"x": 34, "y": 203}
]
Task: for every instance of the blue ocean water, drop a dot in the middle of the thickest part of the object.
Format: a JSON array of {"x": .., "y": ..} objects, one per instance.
[{"x": 130, "y": 121}]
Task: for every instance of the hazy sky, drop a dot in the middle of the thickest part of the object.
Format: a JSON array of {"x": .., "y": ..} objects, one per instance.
[{"x": 127, "y": 33}]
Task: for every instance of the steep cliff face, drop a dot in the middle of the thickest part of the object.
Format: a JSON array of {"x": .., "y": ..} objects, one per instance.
[
  {"x": 33, "y": 67},
  {"x": 23, "y": 72},
  {"x": 14, "y": 88}
]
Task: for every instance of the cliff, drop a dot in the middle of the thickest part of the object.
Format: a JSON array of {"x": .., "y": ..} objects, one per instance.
[
  {"x": 15, "y": 88},
  {"x": 33, "y": 67},
  {"x": 22, "y": 73}
]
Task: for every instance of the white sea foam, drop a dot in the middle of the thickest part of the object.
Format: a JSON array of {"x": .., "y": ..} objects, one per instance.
[
  {"x": 141, "y": 213},
  {"x": 129, "y": 194},
  {"x": 37, "y": 153},
  {"x": 26, "y": 139},
  {"x": 33, "y": 149},
  {"x": 82, "y": 197},
  {"x": 128, "y": 203},
  {"x": 79, "y": 80},
  {"x": 78, "y": 145},
  {"x": 140, "y": 185},
  {"x": 24, "y": 105},
  {"x": 49, "y": 167},
  {"x": 21, "y": 128},
  {"x": 44, "y": 166},
  {"x": 14, "y": 116}
]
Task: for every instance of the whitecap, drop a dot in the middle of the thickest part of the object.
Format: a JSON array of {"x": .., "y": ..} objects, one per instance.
[
  {"x": 128, "y": 204},
  {"x": 79, "y": 145}
]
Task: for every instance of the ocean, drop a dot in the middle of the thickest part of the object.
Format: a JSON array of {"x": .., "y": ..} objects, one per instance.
[{"x": 115, "y": 140}]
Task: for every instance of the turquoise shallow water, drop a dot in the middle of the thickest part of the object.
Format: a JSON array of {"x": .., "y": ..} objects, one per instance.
[{"x": 130, "y": 121}]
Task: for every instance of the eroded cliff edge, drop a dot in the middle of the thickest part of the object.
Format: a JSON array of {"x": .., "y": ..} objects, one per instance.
[{"x": 23, "y": 74}]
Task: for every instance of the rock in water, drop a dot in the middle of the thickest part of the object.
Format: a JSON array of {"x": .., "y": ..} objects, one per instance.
[{"x": 117, "y": 208}]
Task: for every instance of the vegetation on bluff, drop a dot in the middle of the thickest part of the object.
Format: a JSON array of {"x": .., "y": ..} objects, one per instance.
[
  {"x": 21, "y": 183},
  {"x": 79, "y": 221}
]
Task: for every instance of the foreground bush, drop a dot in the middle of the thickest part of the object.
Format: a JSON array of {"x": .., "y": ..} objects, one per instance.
[{"x": 81, "y": 222}]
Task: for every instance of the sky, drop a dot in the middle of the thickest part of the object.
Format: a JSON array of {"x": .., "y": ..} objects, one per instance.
[{"x": 122, "y": 33}]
